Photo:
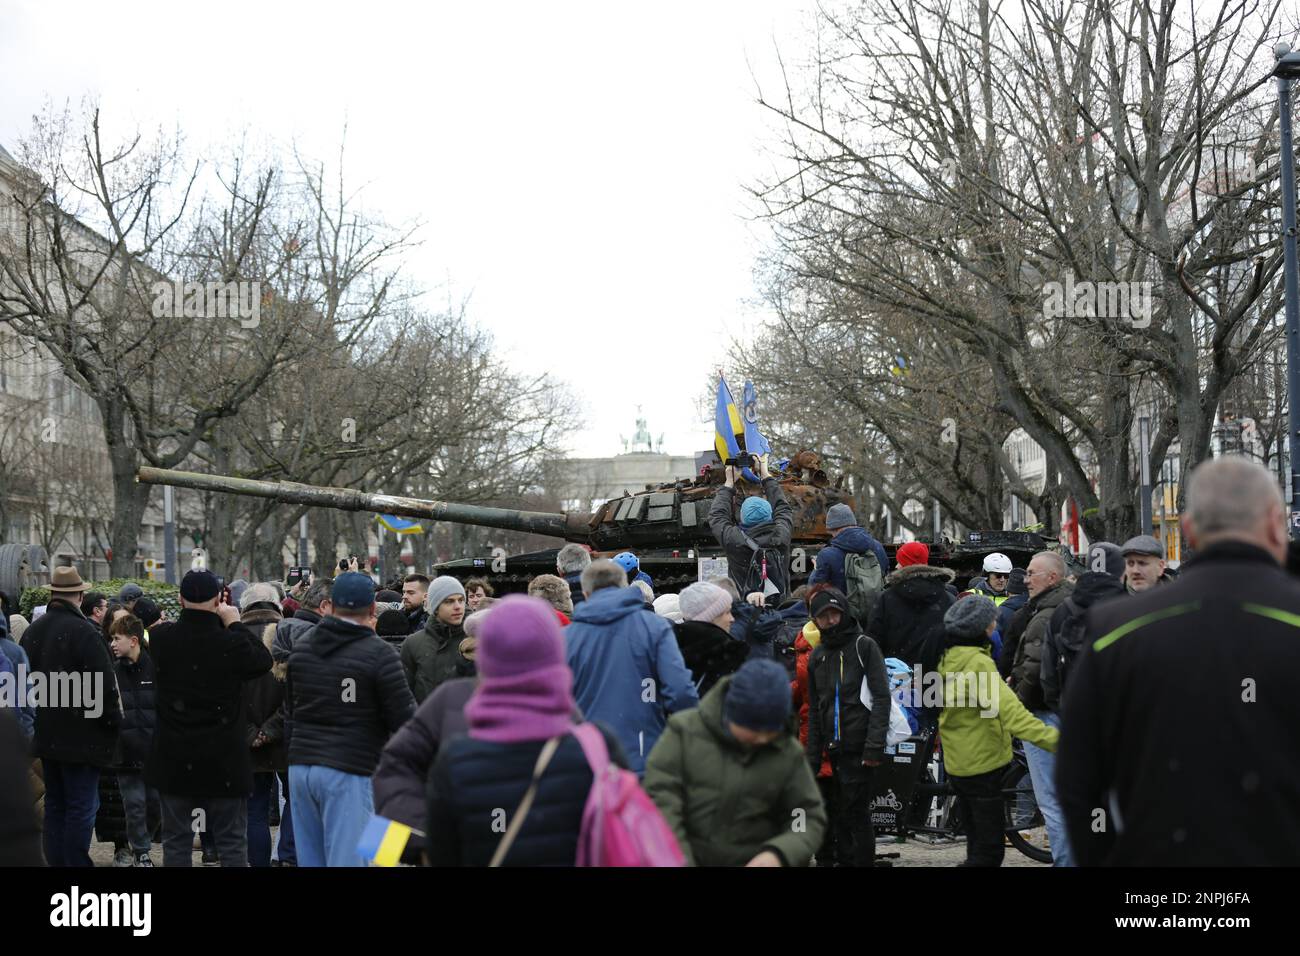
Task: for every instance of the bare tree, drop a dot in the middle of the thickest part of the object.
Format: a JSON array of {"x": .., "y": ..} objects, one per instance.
[{"x": 946, "y": 165}]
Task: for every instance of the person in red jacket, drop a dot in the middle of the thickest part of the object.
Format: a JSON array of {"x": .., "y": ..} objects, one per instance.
[{"x": 808, "y": 639}]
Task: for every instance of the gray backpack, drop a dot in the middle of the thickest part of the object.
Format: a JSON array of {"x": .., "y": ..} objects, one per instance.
[{"x": 863, "y": 582}]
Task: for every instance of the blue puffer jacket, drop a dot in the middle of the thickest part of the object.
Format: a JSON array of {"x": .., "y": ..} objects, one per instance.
[
  {"x": 1007, "y": 608},
  {"x": 830, "y": 560},
  {"x": 16, "y": 658},
  {"x": 628, "y": 672}
]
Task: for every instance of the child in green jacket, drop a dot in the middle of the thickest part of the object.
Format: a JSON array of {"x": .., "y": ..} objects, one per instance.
[{"x": 980, "y": 716}]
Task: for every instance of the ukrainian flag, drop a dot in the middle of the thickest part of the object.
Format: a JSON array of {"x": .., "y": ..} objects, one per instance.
[
  {"x": 383, "y": 841},
  {"x": 400, "y": 525},
  {"x": 729, "y": 428}
]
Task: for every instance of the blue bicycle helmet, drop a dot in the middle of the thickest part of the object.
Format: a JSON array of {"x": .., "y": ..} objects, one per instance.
[{"x": 628, "y": 562}]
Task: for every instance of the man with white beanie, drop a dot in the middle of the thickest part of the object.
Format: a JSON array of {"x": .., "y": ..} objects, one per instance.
[
  {"x": 709, "y": 650},
  {"x": 432, "y": 655}
]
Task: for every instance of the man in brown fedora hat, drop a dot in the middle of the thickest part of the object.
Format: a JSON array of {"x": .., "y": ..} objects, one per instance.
[{"x": 77, "y": 717}]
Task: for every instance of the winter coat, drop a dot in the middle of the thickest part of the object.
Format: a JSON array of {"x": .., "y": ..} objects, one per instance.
[
  {"x": 200, "y": 666},
  {"x": 287, "y": 633},
  {"x": 628, "y": 671},
  {"x": 401, "y": 781},
  {"x": 346, "y": 696},
  {"x": 727, "y": 803},
  {"x": 1006, "y": 611},
  {"x": 1091, "y": 588},
  {"x": 135, "y": 682},
  {"x": 431, "y": 656},
  {"x": 981, "y": 714},
  {"x": 418, "y": 619},
  {"x": 772, "y": 536},
  {"x": 709, "y": 652},
  {"x": 17, "y": 658},
  {"x": 264, "y": 708},
  {"x": 20, "y": 832},
  {"x": 475, "y": 790},
  {"x": 63, "y": 642},
  {"x": 574, "y": 581},
  {"x": 1011, "y": 637},
  {"x": 907, "y": 621},
  {"x": 803, "y": 648},
  {"x": 838, "y": 722},
  {"x": 1180, "y": 720},
  {"x": 830, "y": 560},
  {"x": 1026, "y": 671}
]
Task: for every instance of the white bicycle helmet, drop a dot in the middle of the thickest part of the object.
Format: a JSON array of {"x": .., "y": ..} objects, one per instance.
[{"x": 997, "y": 563}]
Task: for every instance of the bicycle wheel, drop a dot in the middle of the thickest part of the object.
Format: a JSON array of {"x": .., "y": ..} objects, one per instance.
[{"x": 1023, "y": 820}]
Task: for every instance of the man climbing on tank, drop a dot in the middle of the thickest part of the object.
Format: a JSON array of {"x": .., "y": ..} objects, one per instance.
[{"x": 758, "y": 548}]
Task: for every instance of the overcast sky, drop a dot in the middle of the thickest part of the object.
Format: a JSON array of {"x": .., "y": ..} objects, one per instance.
[{"x": 580, "y": 167}]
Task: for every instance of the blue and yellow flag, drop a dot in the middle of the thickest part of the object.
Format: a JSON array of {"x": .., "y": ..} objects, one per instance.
[
  {"x": 729, "y": 428},
  {"x": 755, "y": 442},
  {"x": 383, "y": 841},
  {"x": 400, "y": 525}
]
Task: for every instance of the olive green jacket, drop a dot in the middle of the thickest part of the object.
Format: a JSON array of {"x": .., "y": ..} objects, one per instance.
[{"x": 726, "y": 803}]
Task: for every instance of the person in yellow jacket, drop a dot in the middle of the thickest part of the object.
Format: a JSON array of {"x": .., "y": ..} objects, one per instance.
[{"x": 980, "y": 716}]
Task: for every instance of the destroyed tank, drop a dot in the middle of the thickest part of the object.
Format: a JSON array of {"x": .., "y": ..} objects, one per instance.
[{"x": 666, "y": 525}]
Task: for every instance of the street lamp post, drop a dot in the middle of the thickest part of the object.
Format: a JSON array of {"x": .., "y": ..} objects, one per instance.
[
  {"x": 1144, "y": 451},
  {"x": 1288, "y": 69}
]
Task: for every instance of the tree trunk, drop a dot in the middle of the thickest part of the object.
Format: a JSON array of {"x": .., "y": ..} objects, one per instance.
[{"x": 129, "y": 497}]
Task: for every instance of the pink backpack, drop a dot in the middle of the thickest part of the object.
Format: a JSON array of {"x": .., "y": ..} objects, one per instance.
[{"x": 621, "y": 826}]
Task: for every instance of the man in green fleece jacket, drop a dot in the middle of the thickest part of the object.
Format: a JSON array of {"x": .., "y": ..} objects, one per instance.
[
  {"x": 980, "y": 716},
  {"x": 731, "y": 779}
]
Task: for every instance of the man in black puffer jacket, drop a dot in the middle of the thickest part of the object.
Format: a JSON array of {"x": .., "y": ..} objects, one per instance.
[
  {"x": 135, "y": 682},
  {"x": 346, "y": 696},
  {"x": 841, "y": 725}
]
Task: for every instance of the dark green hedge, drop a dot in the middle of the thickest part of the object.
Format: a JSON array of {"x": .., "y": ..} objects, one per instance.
[{"x": 166, "y": 596}]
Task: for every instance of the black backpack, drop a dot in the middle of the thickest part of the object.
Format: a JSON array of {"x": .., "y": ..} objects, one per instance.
[{"x": 764, "y": 565}]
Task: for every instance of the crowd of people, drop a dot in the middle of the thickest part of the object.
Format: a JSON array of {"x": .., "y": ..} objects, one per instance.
[{"x": 1157, "y": 708}]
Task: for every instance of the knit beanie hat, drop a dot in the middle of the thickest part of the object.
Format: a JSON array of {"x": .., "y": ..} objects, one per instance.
[
  {"x": 1107, "y": 557},
  {"x": 914, "y": 552},
  {"x": 970, "y": 616},
  {"x": 755, "y": 510},
  {"x": 840, "y": 516},
  {"x": 1016, "y": 583},
  {"x": 759, "y": 696},
  {"x": 473, "y": 623},
  {"x": 392, "y": 623},
  {"x": 441, "y": 588},
  {"x": 519, "y": 634},
  {"x": 703, "y": 602},
  {"x": 148, "y": 612},
  {"x": 253, "y": 594},
  {"x": 669, "y": 606},
  {"x": 237, "y": 589}
]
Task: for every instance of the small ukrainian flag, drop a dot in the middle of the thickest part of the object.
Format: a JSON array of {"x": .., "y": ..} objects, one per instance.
[
  {"x": 400, "y": 525},
  {"x": 383, "y": 841}
]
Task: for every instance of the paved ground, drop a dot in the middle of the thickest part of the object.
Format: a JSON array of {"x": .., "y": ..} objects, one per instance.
[
  {"x": 916, "y": 852},
  {"x": 912, "y": 853}
]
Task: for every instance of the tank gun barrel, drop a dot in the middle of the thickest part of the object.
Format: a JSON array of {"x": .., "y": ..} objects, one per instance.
[{"x": 570, "y": 527}]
